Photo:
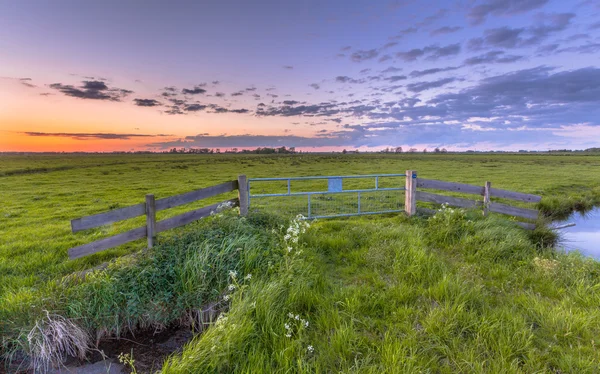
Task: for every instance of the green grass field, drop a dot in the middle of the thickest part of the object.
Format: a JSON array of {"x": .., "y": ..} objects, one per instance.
[{"x": 42, "y": 193}]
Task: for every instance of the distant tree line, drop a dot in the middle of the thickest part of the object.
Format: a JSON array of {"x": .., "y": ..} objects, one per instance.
[{"x": 259, "y": 150}]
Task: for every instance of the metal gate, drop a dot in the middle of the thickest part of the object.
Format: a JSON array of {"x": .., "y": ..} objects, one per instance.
[{"x": 329, "y": 196}]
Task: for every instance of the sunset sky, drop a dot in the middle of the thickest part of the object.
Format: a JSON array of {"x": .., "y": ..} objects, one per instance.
[{"x": 318, "y": 75}]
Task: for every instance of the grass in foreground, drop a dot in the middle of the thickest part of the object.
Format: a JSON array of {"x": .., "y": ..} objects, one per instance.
[
  {"x": 454, "y": 293},
  {"x": 172, "y": 283}
]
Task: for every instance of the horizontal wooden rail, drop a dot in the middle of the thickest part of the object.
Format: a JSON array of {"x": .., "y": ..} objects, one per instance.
[
  {"x": 191, "y": 216},
  {"x": 102, "y": 219},
  {"x": 486, "y": 191},
  {"x": 441, "y": 199},
  {"x": 190, "y": 197},
  {"x": 512, "y": 195},
  {"x": 449, "y": 186},
  {"x": 513, "y": 210},
  {"x": 103, "y": 244},
  {"x": 149, "y": 209}
]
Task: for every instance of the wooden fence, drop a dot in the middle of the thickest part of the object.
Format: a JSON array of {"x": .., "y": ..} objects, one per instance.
[
  {"x": 486, "y": 191},
  {"x": 149, "y": 209},
  {"x": 151, "y": 206}
]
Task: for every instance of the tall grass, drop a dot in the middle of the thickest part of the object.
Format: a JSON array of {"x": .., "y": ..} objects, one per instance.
[
  {"x": 175, "y": 282},
  {"x": 452, "y": 293}
]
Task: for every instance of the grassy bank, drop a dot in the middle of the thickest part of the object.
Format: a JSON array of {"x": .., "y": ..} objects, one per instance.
[
  {"x": 173, "y": 283},
  {"x": 455, "y": 293}
]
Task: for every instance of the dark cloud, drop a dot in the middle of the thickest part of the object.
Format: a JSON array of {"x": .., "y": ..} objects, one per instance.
[
  {"x": 146, "y": 102},
  {"x": 449, "y": 50},
  {"x": 433, "y": 52},
  {"x": 385, "y": 58},
  {"x": 249, "y": 89},
  {"x": 288, "y": 67},
  {"x": 389, "y": 45},
  {"x": 594, "y": 26},
  {"x": 391, "y": 69},
  {"x": 361, "y": 55},
  {"x": 94, "y": 90},
  {"x": 239, "y": 93},
  {"x": 506, "y": 37},
  {"x": 84, "y": 136},
  {"x": 403, "y": 33},
  {"x": 478, "y": 13},
  {"x": 346, "y": 48},
  {"x": 445, "y": 30},
  {"x": 492, "y": 57},
  {"x": 582, "y": 49},
  {"x": 346, "y": 79},
  {"x": 26, "y": 82},
  {"x": 395, "y": 78},
  {"x": 364, "y": 71},
  {"x": 422, "y": 86},
  {"x": 197, "y": 90},
  {"x": 215, "y": 82},
  {"x": 420, "y": 73},
  {"x": 341, "y": 138},
  {"x": 315, "y": 86},
  {"x": 219, "y": 94},
  {"x": 195, "y": 107},
  {"x": 433, "y": 18}
]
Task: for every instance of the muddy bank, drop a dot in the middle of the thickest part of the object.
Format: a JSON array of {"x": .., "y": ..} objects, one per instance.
[{"x": 148, "y": 348}]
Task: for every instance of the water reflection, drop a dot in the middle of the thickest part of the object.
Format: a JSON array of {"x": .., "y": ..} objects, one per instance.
[{"x": 585, "y": 236}]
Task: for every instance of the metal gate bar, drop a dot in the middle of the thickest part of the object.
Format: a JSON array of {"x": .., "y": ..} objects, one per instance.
[{"x": 335, "y": 191}]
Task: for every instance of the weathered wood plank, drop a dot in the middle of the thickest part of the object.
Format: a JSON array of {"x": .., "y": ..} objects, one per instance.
[
  {"x": 440, "y": 199},
  {"x": 150, "y": 219},
  {"x": 486, "y": 197},
  {"x": 410, "y": 200},
  {"x": 191, "y": 216},
  {"x": 449, "y": 186},
  {"x": 512, "y": 195},
  {"x": 526, "y": 225},
  {"x": 243, "y": 194},
  {"x": 102, "y": 244},
  {"x": 513, "y": 211},
  {"x": 190, "y": 197},
  {"x": 105, "y": 218}
]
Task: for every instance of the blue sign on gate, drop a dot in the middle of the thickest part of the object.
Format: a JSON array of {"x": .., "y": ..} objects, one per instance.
[{"x": 334, "y": 185}]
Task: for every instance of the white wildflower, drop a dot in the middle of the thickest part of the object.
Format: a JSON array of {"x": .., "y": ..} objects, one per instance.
[
  {"x": 226, "y": 297},
  {"x": 248, "y": 277},
  {"x": 297, "y": 317},
  {"x": 287, "y": 326},
  {"x": 232, "y": 273},
  {"x": 231, "y": 287},
  {"x": 290, "y": 315},
  {"x": 310, "y": 349},
  {"x": 288, "y": 335}
]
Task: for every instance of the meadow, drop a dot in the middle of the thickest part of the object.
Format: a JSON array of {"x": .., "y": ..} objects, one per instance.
[{"x": 462, "y": 289}]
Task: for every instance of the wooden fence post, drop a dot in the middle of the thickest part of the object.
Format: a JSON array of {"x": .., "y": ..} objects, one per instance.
[
  {"x": 410, "y": 198},
  {"x": 486, "y": 197},
  {"x": 243, "y": 194},
  {"x": 150, "y": 219}
]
